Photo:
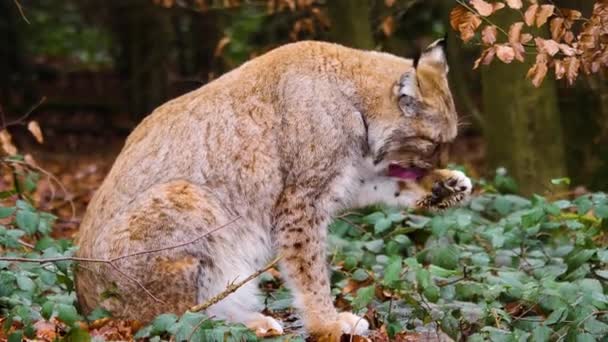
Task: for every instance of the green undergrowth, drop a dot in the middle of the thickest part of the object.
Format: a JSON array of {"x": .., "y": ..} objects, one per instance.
[{"x": 502, "y": 268}]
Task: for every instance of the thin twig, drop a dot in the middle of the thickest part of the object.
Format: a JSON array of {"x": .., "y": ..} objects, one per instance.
[
  {"x": 233, "y": 287},
  {"x": 488, "y": 21},
  {"x": 21, "y": 120},
  {"x": 178, "y": 245},
  {"x": 20, "y": 8},
  {"x": 25, "y": 244},
  {"x": 198, "y": 325},
  {"x": 112, "y": 261},
  {"x": 51, "y": 179},
  {"x": 137, "y": 282}
]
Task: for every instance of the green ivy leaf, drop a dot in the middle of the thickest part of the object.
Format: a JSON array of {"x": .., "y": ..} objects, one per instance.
[
  {"x": 67, "y": 313},
  {"x": 381, "y": 225},
  {"x": 16, "y": 336},
  {"x": 98, "y": 313},
  {"x": 78, "y": 335},
  {"x": 360, "y": 275},
  {"x": 601, "y": 211},
  {"x": 25, "y": 283},
  {"x": 47, "y": 309},
  {"x": 392, "y": 272},
  {"x": 27, "y": 221},
  {"x": 446, "y": 257},
  {"x": 364, "y": 296},
  {"x": 557, "y": 316},
  {"x": 541, "y": 333},
  {"x": 162, "y": 323},
  {"x": 6, "y": 212}
]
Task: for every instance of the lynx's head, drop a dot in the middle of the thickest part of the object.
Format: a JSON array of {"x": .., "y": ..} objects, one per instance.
[{"x": 411, "y": 139}]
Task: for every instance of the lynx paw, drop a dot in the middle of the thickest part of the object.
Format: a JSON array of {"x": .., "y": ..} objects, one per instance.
[
  {"x": 265, "y": 326},
  {"x": 353, "y": 324},
  {"x": 452, "y": 189},
  {"x": 346, "y": 323}
]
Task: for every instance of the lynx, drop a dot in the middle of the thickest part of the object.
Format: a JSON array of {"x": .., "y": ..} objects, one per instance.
[{"x": 281, "y": 143}]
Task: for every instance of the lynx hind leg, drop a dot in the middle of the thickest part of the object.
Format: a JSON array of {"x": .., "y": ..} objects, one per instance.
[
  {"x": 166, "y": 215},
  {"x": 447, "y": 188}
]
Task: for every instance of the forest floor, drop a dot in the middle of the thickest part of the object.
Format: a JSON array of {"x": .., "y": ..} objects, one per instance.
[{"x": 502, "y": 268}]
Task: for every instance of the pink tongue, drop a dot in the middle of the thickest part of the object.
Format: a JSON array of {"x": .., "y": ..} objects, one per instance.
[{"x": 412, "y": 173}]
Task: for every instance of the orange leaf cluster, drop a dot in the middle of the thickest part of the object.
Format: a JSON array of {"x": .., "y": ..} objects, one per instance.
[{"x": 566, "y": 52}]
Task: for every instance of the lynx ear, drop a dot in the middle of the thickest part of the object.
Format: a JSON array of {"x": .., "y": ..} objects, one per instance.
[
  {"x": 408, "y": 93},
  {"x": 434, "y": 55}
]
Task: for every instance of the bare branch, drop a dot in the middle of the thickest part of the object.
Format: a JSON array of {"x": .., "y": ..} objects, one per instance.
[
  {"x": 112, "y": 261},
  {"x": 22, "y": 119},
  {"x": 233, "y": 287},
  {"x": 198, "y": 325},
  {"x": 20, "y": 8}
]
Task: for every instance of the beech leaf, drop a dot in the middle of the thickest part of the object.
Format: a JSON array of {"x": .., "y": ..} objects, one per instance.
[
  {"x": 464, "y": 22},
  {"x": 548, "y": 46},
  {"x": 530, "y": 14},
  {"x": 539, "y": 70},
  {"x": 515, "y": 32},
  {"x": 505, "y": 53},
  {"x": 483, "y": 8},
  {"x": 557, "y": 28},
  {"x": 34, "y": 128},
  {"x": 543, "y": 14},
  {"x": 572, "y": 65},
  {"x": 515, "y": 4},
  {"x": 488, "y": 35}
]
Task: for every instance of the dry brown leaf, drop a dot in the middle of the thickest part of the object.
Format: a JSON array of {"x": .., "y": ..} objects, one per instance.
[
  {"x": 497, "y": 6},
  {"x": 389, "y": 3},
  {"x": 560, "y": 69},
  {"x": 530, "y": 14},
  {"x": 515, "y": 32},
  {"x": 569, "y": 37},
  {"x": 482, "y": 7},
  {"x": 488, "y": 35},
  {"x": 548, "y": 46},
  {"x": 388, "y": 25},
  {"x": 520, "y": 51},
  {"x": 570, "y": 14},
  {"x": 557, "y": 28},
  {"x": 34, "y": 128},
  {"x": 516, "y": 4},
  {"x": 6, "y": 143},
  {"x": 539, "y": 70},
  {"x": 526, "y": 38},
  {"x": 572, "y": 66},
  {"x": 45, "y": 330},
  {"x": 464, "y": 22},
  {"x": 505, "y": 53},
  {"x": 486, "y": 57},
  {"x": 543, "y": 14},
  {"x": 567, "y": 49},
  {"x": 219, "y": 48}
]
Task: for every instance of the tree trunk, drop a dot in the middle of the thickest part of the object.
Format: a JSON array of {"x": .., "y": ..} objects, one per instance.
[
  {"x": 522, "y": 123},
  {"x": 350, "y": 23},
  {"x": 585, "y": 109},
  {"x": 144, "y": 33}
]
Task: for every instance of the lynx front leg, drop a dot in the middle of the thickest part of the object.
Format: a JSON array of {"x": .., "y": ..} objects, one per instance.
[
  {"x": 301, "y": 232},
  {"x": 439, "y": 189}
]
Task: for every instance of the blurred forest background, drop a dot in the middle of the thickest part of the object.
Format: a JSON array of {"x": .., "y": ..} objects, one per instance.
[
  {"x": 76, "y": 76},
  {"x": 96, "y": 68}
]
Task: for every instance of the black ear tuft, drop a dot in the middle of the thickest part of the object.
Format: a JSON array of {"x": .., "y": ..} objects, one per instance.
[
  {"x": 435, "y": 55},
  {"x": 417, "y": 58}
]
